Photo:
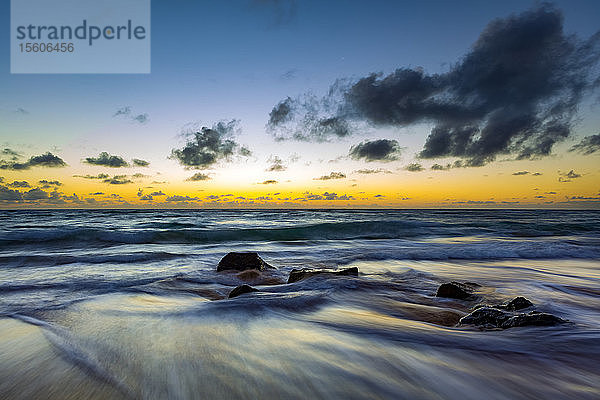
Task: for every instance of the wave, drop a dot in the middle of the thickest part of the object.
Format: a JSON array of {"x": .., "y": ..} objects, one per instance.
[
  {"x": 18, "y": 261},
  {"x": 366, "y": 230}
]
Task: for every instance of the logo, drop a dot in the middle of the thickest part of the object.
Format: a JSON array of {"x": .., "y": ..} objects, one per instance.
[{"x": 80, "y": 36}]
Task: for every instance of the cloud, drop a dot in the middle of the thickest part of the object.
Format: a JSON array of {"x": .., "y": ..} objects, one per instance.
[
  {"x": 160, "y": 193},
  {"x": 47, "y": 160},
  {"x": 521, "y": 173},
  {"x": 107, "y": 160},
  {"x": 12, "y": 154},
  {"x": 308, "y": 196},
  {"x": 537, "y": 174},
  {"x": 141, "y": 118},
  {"x": 99, "y": 176},
  {"x": 9, "y": 195},
  {"x": 332, "y": 175},
  {"x": 126, "y": 112},
  {"x": 414, "y": 167},
  {"x": 139, "y": 176},
  {"x": 122, "y": 111},
  {"x": 21, "y": 110},
  {"x": 587, "y": 145},
  {"x": 19, "y": 184},
  {"x": 117, "y": 180},
  {"x": 47, "y": 184},
  {"x": 146, "y": 197},
  {"x": 268, "y": 182},
  {"x": 198, "y": 177},
  {"x": 35, "y": 194},
  {"x": 140, "y": 163},
  {"x": 209, "y": 146},
  {"x": 439, "y": 167},
  {"x": 376, "y": 150},
  {"x": 369, "y": 171},
  {"x": 568, "y": 176},
  {"x": 180, "y": 198},
  {"x": 515, "y": 93},
  {"x": 276, "y": 164}
]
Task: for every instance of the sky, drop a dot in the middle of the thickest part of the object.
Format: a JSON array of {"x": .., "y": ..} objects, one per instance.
[{"x": 319, "y": 104}]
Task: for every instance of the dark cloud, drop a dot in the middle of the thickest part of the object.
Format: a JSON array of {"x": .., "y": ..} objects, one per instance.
[
  {"x": 118, "y": 180},
  {"x": 106, "y": 160},
  {"x": 376, "y": 150},
  {"x": 332, "y": 175},
  {"x": 521, "y": 173},
  {"x": 537, "y": 174},
  {"x": 47, "y": 160},
  {"x": 514, "y": 94},
  {"x": 99, "y": 176},
  {"x": 47, "y": 184},
  {"x": 373, "y": 171},
  {"x": 35, "y": 194},
  {"x": 21, "y": 110},
  {"x": 198, "y": 177},
  {"x": 414, "y": 167},
  {"x": 276, "y": 164},
  {"x": 334, "y": 196},
  {"x": 587, "y": 145},
  {"x": 146, "y": 197},
  {"x": 180, "y": 198},
  {"x": 160, "y": 193},
  {"x": 269, "y": 182},
  {"x": 9, "y": 195},
  {"x": 209, "y": 146},
  {"x": 19, "y": 184},
  {"x": 140, "y": 163}
]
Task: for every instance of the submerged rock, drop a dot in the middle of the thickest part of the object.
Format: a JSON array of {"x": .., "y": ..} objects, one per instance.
[
  {"x": 242, "y": 261},
  {"x": 239, "y": 290},
  {"x": 299, "y": 274},
  {"x": 485, "y": 316},
  {"x": 491, "y": 317},
  {"x": 532, "y": 318},
  {"x": 518, "y": 303},
  {"x": 455, "y": 290}
]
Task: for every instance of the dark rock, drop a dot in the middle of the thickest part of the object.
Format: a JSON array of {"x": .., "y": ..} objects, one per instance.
[
  {"x": 532, "y": 318},
  {"x": 299, "y": 274},
  {"x": 242, "y": 262},
  {"x": 454, "y": 290},
  {"x": 518, "y": 303},
  {"x": 485, "y": 316},
  {"x": 241, "y": 290}
]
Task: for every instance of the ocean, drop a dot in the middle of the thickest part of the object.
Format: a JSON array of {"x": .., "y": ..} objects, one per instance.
[{"x": 103, "y": 304}]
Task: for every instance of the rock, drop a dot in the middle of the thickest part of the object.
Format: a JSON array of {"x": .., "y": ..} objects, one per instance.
[
  {"x": 242, "y": 262},
  {"x": 299, "y": 274},
  {"x": 518, "y": 303},
  {"x": 532, "y": 318},
  {"x": 485, "y": 316},
  {"x": 490, "y": 317},
  {"x": 455, "y": 290},
  {"x": 241, "y": 290}
]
